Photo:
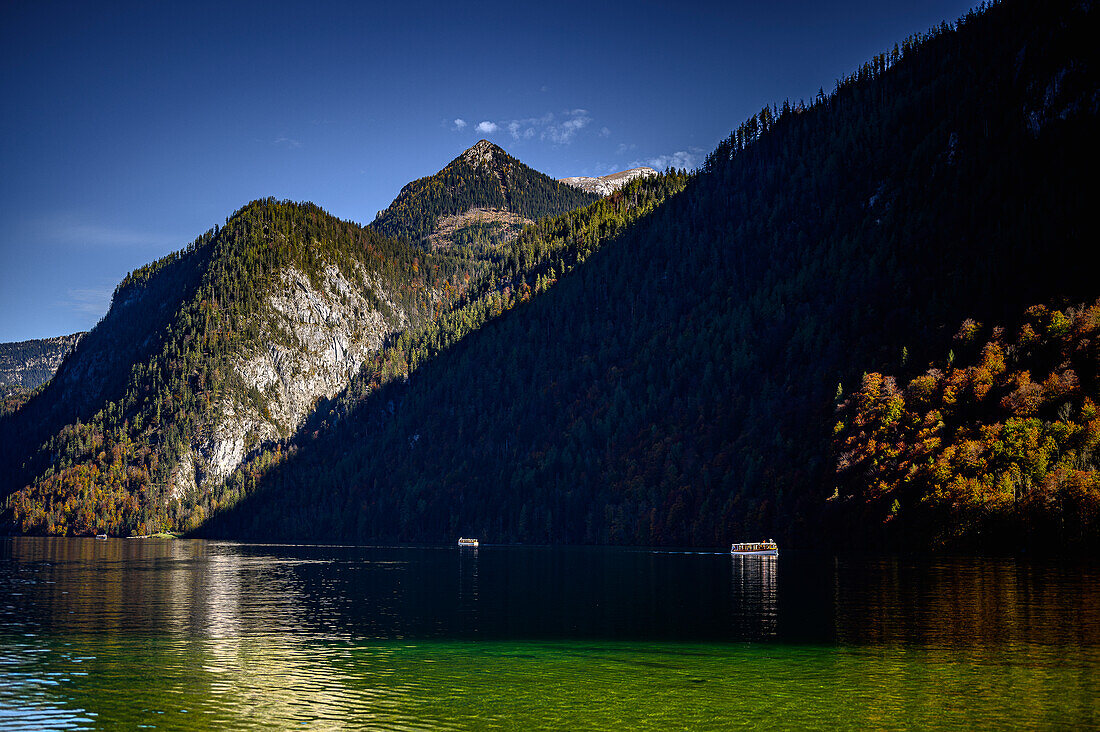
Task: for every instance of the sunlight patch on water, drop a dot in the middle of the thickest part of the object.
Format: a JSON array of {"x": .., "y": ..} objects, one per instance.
[{"x": 266, "y": 682}]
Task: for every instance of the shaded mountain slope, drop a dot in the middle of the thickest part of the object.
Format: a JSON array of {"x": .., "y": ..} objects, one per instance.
[
  {"x": 678, "y": 387},
  {"x": 530, "y": 265},
  {"x": 481, "y": 197}
]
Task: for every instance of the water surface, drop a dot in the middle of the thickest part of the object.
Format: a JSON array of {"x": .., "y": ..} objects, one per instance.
[{"x": 170, "y": 634}]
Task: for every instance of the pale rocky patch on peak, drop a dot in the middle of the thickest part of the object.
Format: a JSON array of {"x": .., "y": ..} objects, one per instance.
[
  {"x": 447, "y": 226},
  {"x": 481, "y": 153},
  {"x": 606, "y": 184}
]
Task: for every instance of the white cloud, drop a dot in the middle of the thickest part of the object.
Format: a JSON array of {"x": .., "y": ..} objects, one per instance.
[
  {"x": 459, "y": 123},
  {"x": 688, "y": 159},
  {"x": 286, "y": 142},
  {"x": 605, "y": 132},
  {"x": 557, "y": 129},
  {"x": 522, "y": 129},
  {"x": 562, "y": 133}
]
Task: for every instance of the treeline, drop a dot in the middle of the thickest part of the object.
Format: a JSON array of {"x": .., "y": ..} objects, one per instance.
[
  {"x": 678, "y": 387},
  {"x": 501, "y": 182},
  {"x": 997, "y": 445}
]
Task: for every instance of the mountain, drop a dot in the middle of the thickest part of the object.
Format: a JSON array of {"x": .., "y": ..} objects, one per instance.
[
  {"x": 482, "y": 197},
  {"x": 205, "y": 357},
  {"x": 31, "y": 363},
  {"x": 678, "y": 385},
  {"x": 605, "y": 184}
]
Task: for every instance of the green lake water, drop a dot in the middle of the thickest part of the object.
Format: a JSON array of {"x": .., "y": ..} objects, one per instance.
[{"x": 189, "y": 634}]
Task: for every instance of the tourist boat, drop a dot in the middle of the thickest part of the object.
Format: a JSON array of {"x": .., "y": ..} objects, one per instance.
[
  {"x": 101, "y": 536},
  {"x": 760, "y": 548},
  {"x": 467, "y": 542}
]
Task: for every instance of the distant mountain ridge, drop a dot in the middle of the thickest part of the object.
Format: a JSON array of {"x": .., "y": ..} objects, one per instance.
[
  {"x": 605, "y": 184},
  {"x": 482, "y": 197},
  {"x": 31, "y": 363}
]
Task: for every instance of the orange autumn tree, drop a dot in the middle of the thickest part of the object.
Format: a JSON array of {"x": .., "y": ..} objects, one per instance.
[{"x": 1004, "y": 448}]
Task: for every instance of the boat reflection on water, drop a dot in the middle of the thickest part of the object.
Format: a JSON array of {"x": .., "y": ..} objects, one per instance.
[
  {"x": 468, "y": 592},
  {"x": 755, "y": 594}
]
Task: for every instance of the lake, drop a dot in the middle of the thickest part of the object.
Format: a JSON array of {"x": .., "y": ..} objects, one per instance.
[{"x": 196, "y": 634}]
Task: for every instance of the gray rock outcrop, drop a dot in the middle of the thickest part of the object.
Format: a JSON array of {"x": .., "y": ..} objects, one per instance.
[{"x": 313, "y": 341}]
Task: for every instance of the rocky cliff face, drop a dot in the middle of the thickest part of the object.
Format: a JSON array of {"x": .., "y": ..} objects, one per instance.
[
  {"x": 31, "y": 363},
  {"x": 606, "y": 184},
  {"x": 313, "y": 341}
]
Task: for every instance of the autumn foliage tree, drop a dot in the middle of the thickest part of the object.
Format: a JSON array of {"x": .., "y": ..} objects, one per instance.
[{"x": 1003, "y": 449}]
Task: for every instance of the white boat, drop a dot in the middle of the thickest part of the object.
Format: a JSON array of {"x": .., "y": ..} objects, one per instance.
[
  {"x": 759, "y": 548},
  {"x": 101, "y": 536},
  {"x": 467, "y": 542}
]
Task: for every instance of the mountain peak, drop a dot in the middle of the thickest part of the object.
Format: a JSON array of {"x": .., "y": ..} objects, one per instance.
[
  {"x": 483, "y": 195},
  {"x": 482, "y": 152}
]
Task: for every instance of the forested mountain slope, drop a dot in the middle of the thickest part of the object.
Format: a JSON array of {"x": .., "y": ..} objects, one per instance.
[
  {"x": 205, "y": 356},
  {"x": 482, "y": 197},
  {"x": 678, "y": 386}
]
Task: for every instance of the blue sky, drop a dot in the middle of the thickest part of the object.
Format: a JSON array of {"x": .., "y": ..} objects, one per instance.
[{"x": 128, "y": 129}]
